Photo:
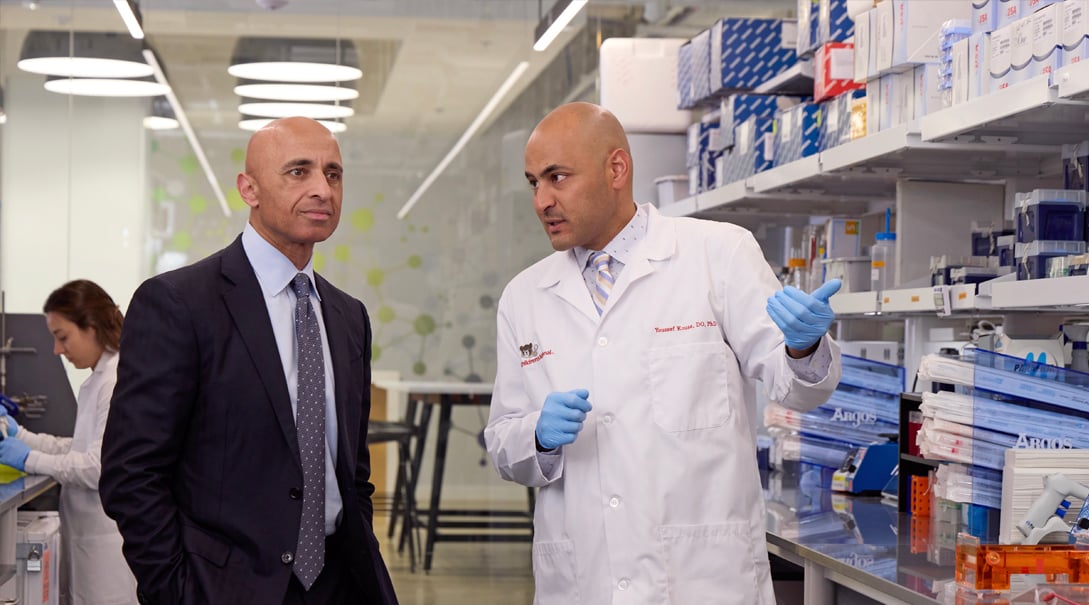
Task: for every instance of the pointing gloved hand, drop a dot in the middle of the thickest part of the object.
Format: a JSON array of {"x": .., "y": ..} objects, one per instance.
[
  {"x": 561, "y": 418},
  {"x": 13, "y": 452},
  {"x": 803, "y": 318}
]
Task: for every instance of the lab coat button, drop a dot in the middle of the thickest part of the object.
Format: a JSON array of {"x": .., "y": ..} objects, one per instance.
[
  {"x": 294, "y": 493},
  {"x": 607, "y": 419},
  {"x": 614, "y": 502},
  {"x": 623, "y": 584},
  {"x": 602, "y": 341},
  {"x": 287, "y": 558}
]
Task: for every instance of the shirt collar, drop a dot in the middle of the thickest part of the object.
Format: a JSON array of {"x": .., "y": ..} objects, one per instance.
[
  {"x": 636, "y": 229},
  {"x": 274, "y": 271}
]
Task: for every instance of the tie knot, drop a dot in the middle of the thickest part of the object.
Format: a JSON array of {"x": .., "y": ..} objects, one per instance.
[
  {"x": 600, "y": 261},
  {"x": 301, "y": 285}
]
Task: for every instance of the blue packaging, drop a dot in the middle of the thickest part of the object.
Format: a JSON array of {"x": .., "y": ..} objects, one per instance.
[
  {"x": 708, "y": 162},
  {"x": 835, "y": 128},
  {"x": 808, "y": 27},
  {"x": 834, "y": 24},
  {"x": 797, "y": 133},
  {"x": 753, "y": 151},
  {"x": 1051, "y": 215},
  {"x": 700, "y": 135},
  {"x": 737, "y": 108},
  {"x": 1004, "y": 250},
  {"x": 685, "y": 85},
  {"x": 701, "y": 66},
  {"x": 745, "y": 53},
  {"x": 1032, "y": 258}
]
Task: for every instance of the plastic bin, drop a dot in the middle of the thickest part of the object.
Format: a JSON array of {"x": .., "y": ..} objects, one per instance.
[
  {"x": 854, "y": 271},
  {"x": 671, "y": 188}
]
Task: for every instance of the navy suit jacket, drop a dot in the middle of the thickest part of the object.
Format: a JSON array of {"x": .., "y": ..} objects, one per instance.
[{"x": 200, "y": 459}]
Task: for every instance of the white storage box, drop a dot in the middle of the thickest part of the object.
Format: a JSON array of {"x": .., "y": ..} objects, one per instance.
[
  {"x": 37, "y": 557},
  {"x": 854, "y": 271},
  {"x": 639, "y": 84},
  {"x": 884, "y": 351},
  {"x": 672, "y": 188}
]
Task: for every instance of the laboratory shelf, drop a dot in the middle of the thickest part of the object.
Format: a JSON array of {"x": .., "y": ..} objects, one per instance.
[
  {"x": 962, "y": 297},
  {"x": 723, "y": 196},
  {"x": 794, "y": 174},
  {"x": 1029, "y": 112},
  {"x": 908, "y": 300},
  {"x": 1053, "y": 293},
  {"x": 685, "y": 207},
  {"x": 797, "y": 80},
  {"x": 854, "y": 303},
  {"x": 1073, "y": 81}
]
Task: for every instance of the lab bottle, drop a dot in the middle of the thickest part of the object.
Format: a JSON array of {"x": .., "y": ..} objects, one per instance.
[
  {"x": 796, "y": 274},
  {"x": 883, "y": 262}
]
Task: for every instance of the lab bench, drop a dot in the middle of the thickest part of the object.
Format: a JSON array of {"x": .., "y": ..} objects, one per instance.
[
  {"x": 14, "y": 492},
  {"x": 855, "y": 549}
]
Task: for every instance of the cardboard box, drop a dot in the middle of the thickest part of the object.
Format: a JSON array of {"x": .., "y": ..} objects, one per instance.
[
  {"x": 881, "y": 36},
  {"x": 1020, "y": 50},
  {"x": 1075, "y": 31},
  {"x": 834, "y": 24},
  {"x": 1077, "y": 54},
  {"x": 873, "y": 106},
  {"x": 862, "y": 47},
  {"x": 1009, "y": 11},
  {"x": 633, "y": 71},
  {"x": 701, "y": 66},
  {"x": 796, "y": 134},
  {"x": 917, "y": 29},
  {"x": 979, "y": 62},
  {"x": 699, "y": 139},
  {"x": 833, "y": 70},
  {"x": 1031, "y": 6},
  {"x": 1047, "y": 42},
  {"x": 735, "y": 109},
  {"x": 807, "y": 19},
  {"x": 999, "y": 65},
  {"x": 984, "y": 15},
  {"x": 903, "y": 98},
  {"x": 928, "y": 95},
  {"x": 745, "y": 53},
  {"x": 961, "y": 71},
  {"x": 886, "y": 113}
]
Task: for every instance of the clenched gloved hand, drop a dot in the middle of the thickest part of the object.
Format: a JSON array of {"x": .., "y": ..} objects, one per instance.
[
  {"x": 803, "y": 318},
  {"x": 13, "y": 452},
  {"x": 9, "y": 422},
  {"x": 561, "y": 418}
]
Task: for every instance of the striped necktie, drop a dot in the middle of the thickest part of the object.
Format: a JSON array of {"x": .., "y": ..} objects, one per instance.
[{"x": 603, "y": 280}]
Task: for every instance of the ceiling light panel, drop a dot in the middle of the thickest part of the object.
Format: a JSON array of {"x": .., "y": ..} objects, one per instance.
[
  {"x": 257, "y": 124},
  {"x": 284, "y": 71},
  {"x": 317, "y": 111},
  {"x": 106, "y": 87},
  {"x": 296, "y": 92}
]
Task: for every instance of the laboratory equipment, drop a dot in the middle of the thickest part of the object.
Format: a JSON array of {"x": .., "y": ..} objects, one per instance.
[
  {"x": 1078, "y": 335},
  {"x": 37, "y": 554},
  {"x": 853, "y": 271},
  {"x": 1031, "y": 258},
  {"x": 883, "y": 258},
  {"x": 1050, "y": 214},
  {"x": 989, "y": 566},
  {"x": 1047, "y": 515},
  {"x": 866, "y": 469}
]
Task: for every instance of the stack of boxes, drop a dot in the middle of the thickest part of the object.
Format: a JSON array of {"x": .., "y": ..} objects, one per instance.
[
  {"x": 1050, "y": 224},
  {"x": 797, "y": 133},
  {"x": 1017, "y": 40}
]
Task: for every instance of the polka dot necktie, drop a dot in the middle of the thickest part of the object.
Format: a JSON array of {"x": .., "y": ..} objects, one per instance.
[
  {"x": 603, "y": 280},
  {"x": 310, "y": 426}
]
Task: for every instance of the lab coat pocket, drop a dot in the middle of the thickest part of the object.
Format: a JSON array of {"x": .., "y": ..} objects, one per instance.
[
  {"x": 688, "y": 386},
  {"x": 554, "y": 573},
  {"x": 709, "y": 564}
]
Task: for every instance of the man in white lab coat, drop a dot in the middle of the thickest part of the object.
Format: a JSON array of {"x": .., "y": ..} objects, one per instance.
[{"x": 619, "y": 388}]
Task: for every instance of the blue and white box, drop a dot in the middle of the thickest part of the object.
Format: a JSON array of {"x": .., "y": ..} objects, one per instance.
[
  {"x": 745, "y": 53},
  {"x": 1047, "y": 42},
  {"x": 1031, "y": 6},
  {"x": 808, "y": 26},
  {"x": 835, "y": 128},
  {"x": 737, "y": 108},
  {"x": 699, "y": 139},
  {"x": 834, "y": 24},
  {"x": 984, "y": 15},
  {"x": 685, "y": 86},
  {"x": 701, "y": 66},
  {"x": 1075, "y": 36},
  {"x": 1000, "y": 58},
  {"x": 797, "y": 133},
  {"x": 1009, "y": 11}
]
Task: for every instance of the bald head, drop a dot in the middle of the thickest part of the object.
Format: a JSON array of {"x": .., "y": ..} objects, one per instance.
[
  {"x": 276, "y": 134},
  {"x": 592, "y": 127}
]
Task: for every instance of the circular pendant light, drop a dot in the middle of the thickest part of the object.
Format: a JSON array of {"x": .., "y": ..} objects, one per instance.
[
  {"x": 82, "y": 54},
  {"x": 161, "y": 116},
  {"x": 105, "y": 87},
  {"x": 295, "y": 60},
  {"x": 317, "y": 111},
  {"x": 259, "y": 123},
  {"x": 295, "y": 92}
]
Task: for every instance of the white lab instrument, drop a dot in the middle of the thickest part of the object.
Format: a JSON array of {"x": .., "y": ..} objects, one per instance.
[{"x": 1046, "y": 516}]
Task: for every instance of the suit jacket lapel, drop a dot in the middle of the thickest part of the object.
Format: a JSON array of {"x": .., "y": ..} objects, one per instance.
[
  {"x": 246, "y": 304},
  {"x": 340, "y": 351}
]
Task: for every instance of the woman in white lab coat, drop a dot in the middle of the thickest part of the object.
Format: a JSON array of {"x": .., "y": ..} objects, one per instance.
[{"x": 86, "y": 327}]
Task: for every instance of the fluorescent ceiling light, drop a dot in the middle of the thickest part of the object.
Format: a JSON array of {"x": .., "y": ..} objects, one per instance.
[
  {"x": 106, "y": 87},
  {"x": 258, "y": 124},
  {"x": 183, "y": 121},
  {"x": 160, "y": 123},
  {"x": 468, "y": 134},
  {"x": 3, "y": 118},
  {"x": 292, "y": 71},
  {"x": 296, "y": 92},
  {"x": 317, "y": 111},
  {"x": 552, "y": 24},
  {"x": 130, "y": 14},
  {"x": 85, "y": 67}
]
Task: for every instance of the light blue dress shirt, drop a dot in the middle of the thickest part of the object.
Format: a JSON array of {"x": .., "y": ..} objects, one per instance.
[{"x": 275, "y": 274}]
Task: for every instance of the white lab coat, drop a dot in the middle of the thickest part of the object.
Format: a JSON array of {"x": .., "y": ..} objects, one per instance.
[
  {"x": 658, "y": 501},
  {"x": 90, "y": 540}
]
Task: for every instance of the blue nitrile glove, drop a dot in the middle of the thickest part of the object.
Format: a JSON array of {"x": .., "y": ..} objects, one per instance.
[
  {"x": 803, "y": 318},
  {"x": 561, "y": 418},
  {"x": 13, "y": 452},
  {"x": 9, "y": 422}
]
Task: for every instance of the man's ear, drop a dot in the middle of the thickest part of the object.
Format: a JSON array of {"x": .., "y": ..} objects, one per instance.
[
  {"x": 619, "y": 168},
  {"x": 247, "y": 188}
]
